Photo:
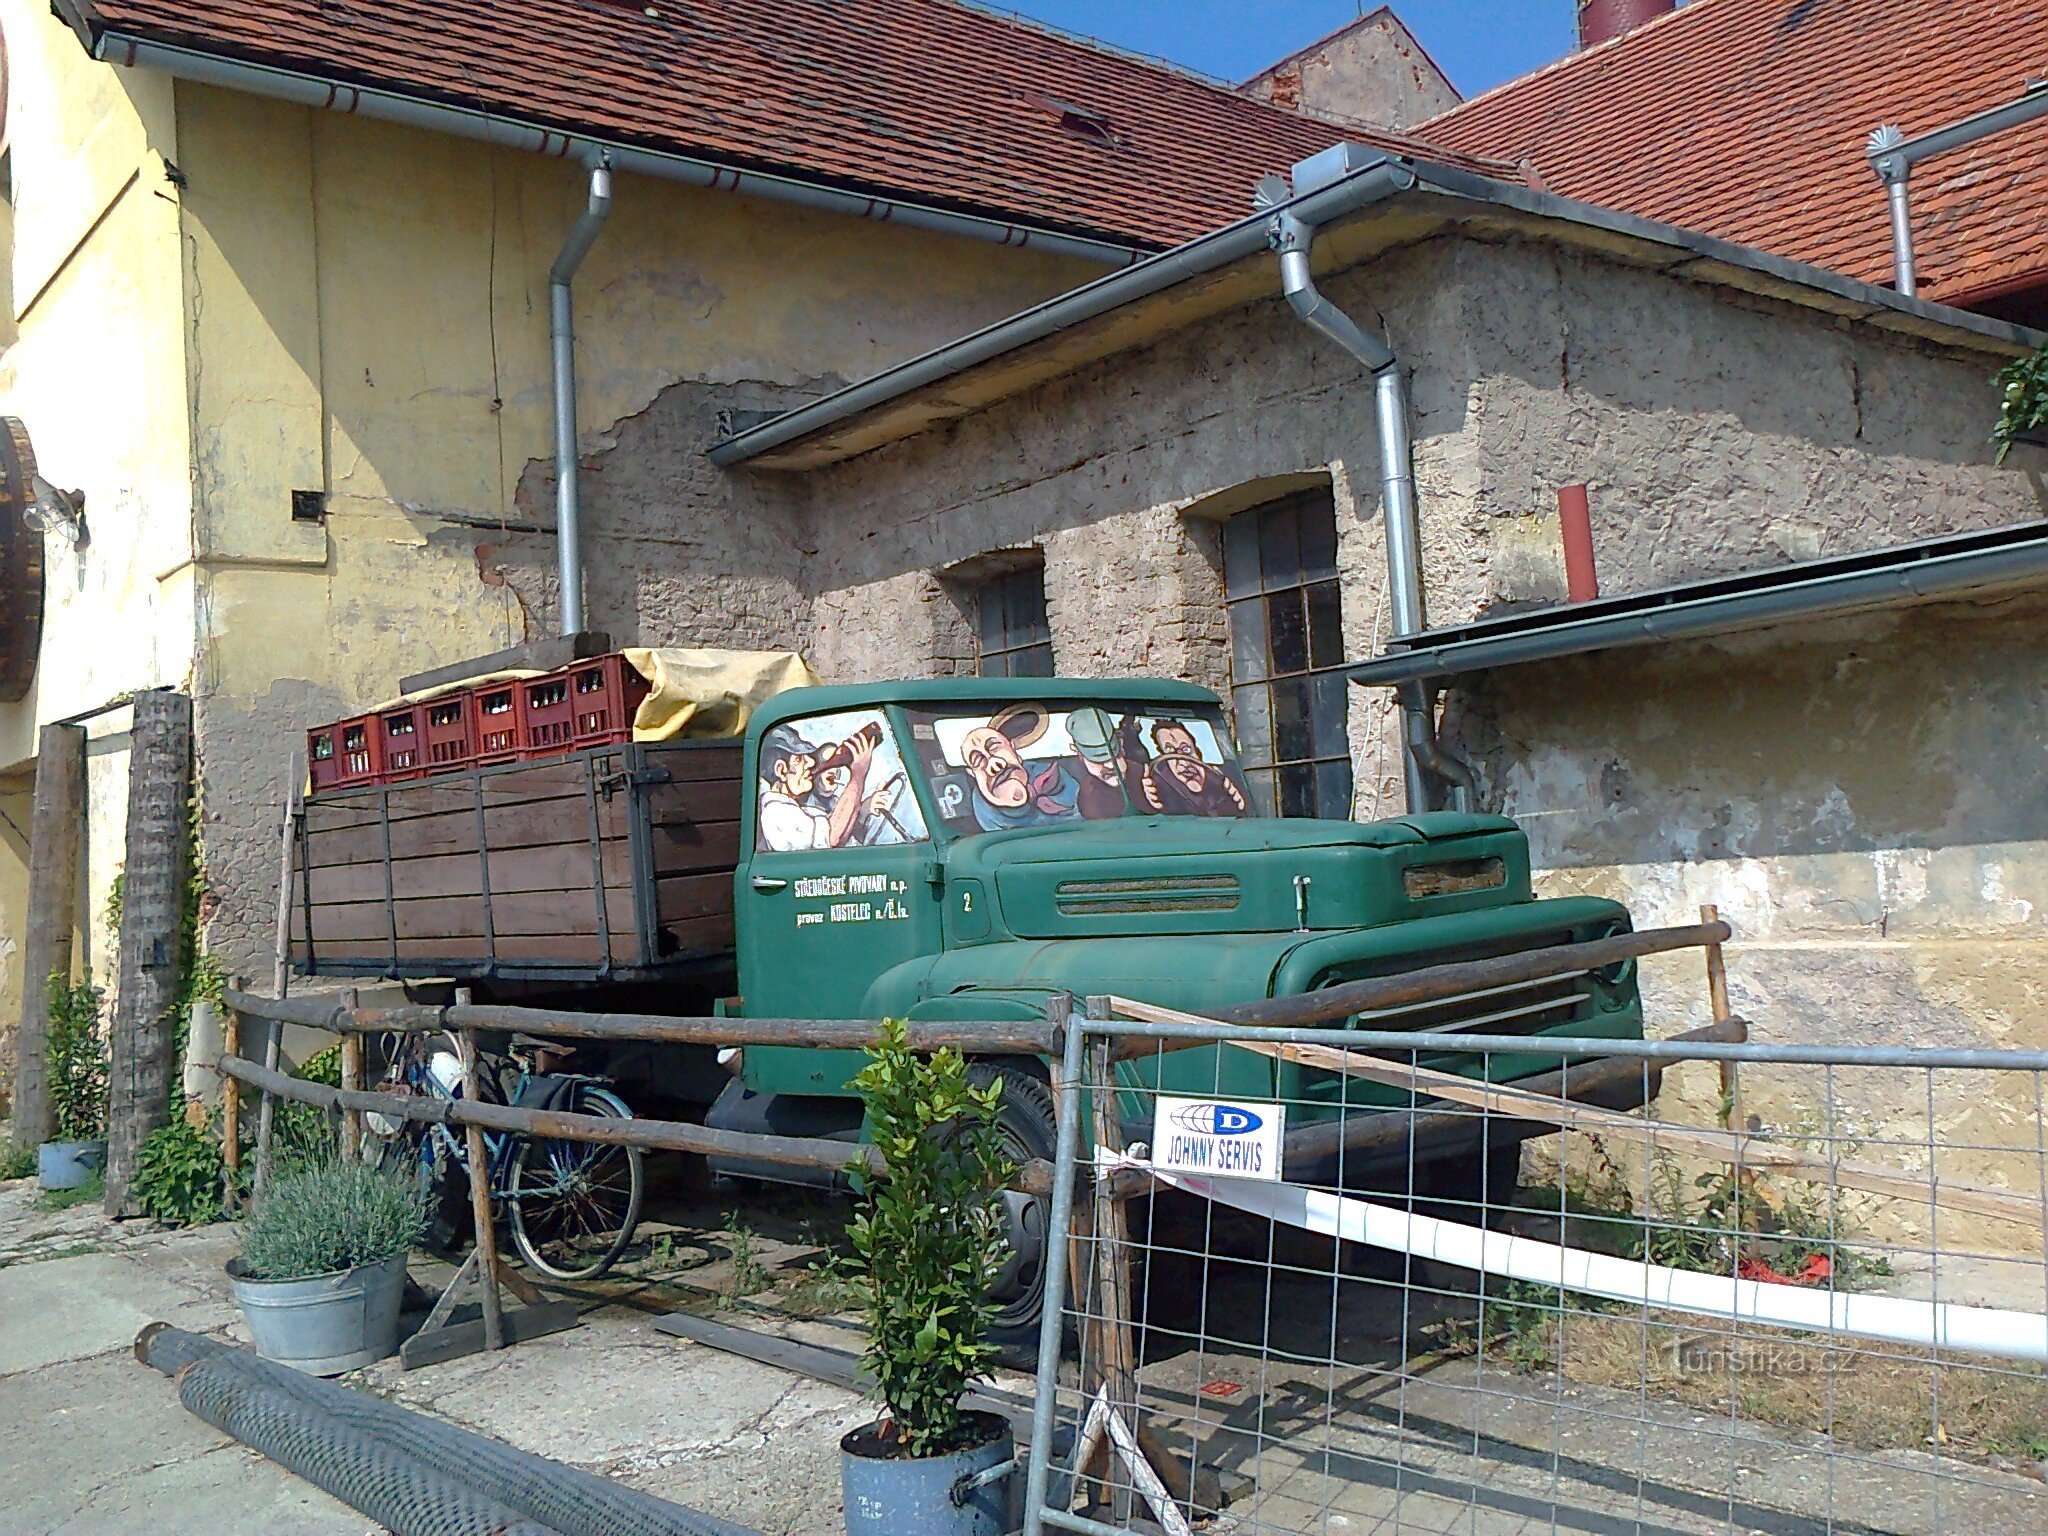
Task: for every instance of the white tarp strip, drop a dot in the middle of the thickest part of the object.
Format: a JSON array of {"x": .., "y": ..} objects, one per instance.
[{"x": 1976, "y": 1330}]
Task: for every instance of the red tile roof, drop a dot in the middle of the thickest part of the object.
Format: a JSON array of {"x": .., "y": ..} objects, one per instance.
[
  {"x": 929, "y": 100},
  {"x": 1746, "y": 119}
]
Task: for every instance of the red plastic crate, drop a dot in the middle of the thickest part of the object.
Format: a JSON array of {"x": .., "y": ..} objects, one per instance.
[
  {"x": 497, "y": 722},
  {"x": 547, "y": 720},
  {"x": 605, "y": 694},
  {"x": 345, "y": 754},
  {"x": 448, "y": 726},
  {"x": 403, "y": 744}
]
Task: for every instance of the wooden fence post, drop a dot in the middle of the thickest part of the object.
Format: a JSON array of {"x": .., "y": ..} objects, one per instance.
[
  {"x": 230, "y": 1108},
  {"x": 480, "y": 1189},
  {"x": 351, "y": 1079},
  {"x": 153, "y": 890},
  {"x": 56, "y": 838},
  {"x": 281, "y": 969},
  {"x": 1717, "y": 999}
]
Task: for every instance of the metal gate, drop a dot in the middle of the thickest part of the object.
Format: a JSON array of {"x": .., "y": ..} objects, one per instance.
[{"x": 1802, "y": 1291}]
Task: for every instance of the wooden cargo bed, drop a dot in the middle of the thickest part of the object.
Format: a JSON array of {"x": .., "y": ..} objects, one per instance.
[{"x": 610, "y": 864}]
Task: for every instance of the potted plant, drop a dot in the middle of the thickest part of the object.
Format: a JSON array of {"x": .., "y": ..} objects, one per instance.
[
  {"x": 2022, "y": 402},
  {"x": 76, "y": 1053},
  {"x": 321, "y": 1273},
  {"x": 928, "y": 1234}
]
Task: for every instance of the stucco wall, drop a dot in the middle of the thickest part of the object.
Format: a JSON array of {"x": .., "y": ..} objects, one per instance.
[
  {"x": 1863, "y": 802},
  {"x": 94, "y": 365},
  {"x": 369, "y": 320},
  {"x": 1373, "y": 71}
]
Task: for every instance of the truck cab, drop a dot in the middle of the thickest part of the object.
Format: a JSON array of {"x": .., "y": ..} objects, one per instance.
[{"x": 965, "y": 849}]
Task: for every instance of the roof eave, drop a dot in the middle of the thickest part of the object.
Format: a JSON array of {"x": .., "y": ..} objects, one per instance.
[
  {"x": 1951, "y": 568},
  {"x": 797, "y": 439},
  {"x": 394, "y": 102}
]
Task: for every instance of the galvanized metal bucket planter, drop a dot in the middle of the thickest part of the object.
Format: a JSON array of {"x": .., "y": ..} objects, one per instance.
[
  {"x": 965, "y": 1493},
  {"x": 69, "y": 1164},
  {"x": 325, "y": 1324}
]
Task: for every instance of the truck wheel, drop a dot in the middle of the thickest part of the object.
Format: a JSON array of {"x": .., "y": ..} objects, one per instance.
[
  {"x": 1027, "y": 1128},
  {"x": 1476, "y": 1189}
]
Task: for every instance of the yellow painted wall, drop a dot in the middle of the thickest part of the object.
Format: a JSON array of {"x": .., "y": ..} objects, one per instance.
[
  {"x": 94, "y": 364},
  {"x": 368, "y": 318}
]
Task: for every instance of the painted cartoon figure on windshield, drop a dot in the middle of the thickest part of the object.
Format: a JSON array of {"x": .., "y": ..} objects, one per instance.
[
  {"x": 1034, "y": 764},
  {"x": 836, "y": 781}
]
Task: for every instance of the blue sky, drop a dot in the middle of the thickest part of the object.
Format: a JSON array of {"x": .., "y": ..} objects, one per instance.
[{"x": 1478, "y": 43}]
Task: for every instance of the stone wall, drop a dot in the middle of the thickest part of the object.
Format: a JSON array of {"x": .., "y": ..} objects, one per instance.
[{"x": 1864, "y": 801}]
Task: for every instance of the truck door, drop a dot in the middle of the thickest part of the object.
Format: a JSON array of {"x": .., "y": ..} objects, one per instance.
[{"x": 835, "y": 890}]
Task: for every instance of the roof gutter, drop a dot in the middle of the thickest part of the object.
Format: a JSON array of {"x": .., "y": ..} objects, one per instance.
[
  {"x": 1951, "y": 568},
  {"x": 511, "y": 133},
  {"x": 1373, "y": 182}
]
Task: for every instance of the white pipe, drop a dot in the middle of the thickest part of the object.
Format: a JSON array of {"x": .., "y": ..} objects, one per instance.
[
  {"x": 562, "y": 340},
  {"x": 1945, "y": 1325}
]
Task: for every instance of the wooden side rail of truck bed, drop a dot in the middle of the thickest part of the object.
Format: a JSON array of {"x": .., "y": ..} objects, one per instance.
[{"x": 614, "y": 863}]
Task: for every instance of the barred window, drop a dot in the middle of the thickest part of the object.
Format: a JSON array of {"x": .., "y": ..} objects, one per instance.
[
  {"x": 1286, "y": 644},
  {"x": 1014, "y": 638}
]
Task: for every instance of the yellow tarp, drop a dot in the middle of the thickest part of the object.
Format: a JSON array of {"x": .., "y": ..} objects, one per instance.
[{"x": 707, "y": 692}]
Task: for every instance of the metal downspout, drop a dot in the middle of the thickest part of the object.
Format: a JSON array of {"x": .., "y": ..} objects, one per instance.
[
  {"x": 1425, "y": 757},
  {"x": 1895, "y": 171},
  {"x": 562, "y": 338},
  {"x": 1892, "y": 156}
]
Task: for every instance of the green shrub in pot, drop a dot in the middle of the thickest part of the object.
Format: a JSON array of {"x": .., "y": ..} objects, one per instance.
[
  {"x": 75, "y": 1051},
  {"x": 75, "y": 1062},
  {"x": 929, "y": 1236}
]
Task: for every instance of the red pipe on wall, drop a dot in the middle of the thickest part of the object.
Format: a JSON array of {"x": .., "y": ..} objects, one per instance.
[{"x": 1575, "y": 521}]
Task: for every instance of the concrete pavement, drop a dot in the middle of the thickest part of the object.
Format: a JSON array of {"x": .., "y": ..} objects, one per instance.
[{"x": 92, "y": 1443}]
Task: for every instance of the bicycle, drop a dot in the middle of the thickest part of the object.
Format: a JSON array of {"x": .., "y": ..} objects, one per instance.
[{"x": 571, "y": 1206}]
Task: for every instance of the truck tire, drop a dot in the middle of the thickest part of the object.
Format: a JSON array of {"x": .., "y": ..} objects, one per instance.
[
  {"x": 1028, "y": 1127},
  {"x": 1475, "y": 1190}
]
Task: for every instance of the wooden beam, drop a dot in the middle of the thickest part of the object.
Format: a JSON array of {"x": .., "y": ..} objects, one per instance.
[
  {"x": 1421, "y": 1132},
  {"x": 330, "y": 1011},
  {"x": 57, "y": 839},
  {"x": 153, "y": 890},
  {"x": 1436, "y": 983},
  {"x": 1739, "y": 1150}
]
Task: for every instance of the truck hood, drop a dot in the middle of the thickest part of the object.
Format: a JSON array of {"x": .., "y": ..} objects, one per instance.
[{"x": 1196, "y": 875}]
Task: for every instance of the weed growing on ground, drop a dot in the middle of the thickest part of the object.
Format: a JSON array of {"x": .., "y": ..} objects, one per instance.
[
  {"x": 16, "y": 1163},
  {"x": 1867, "y": 1395},
  {"x": 91, "y": 1192},
  {"x": 826, "y": 1290},
  {"x": 749, "y": 1274}
]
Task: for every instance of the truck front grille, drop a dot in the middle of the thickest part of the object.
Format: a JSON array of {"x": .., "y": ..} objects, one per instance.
[
  {"x": 1528, "y": 1007},
  {"x": 1159, "y": 893},
  {"x": 1517, "y": 1008}
]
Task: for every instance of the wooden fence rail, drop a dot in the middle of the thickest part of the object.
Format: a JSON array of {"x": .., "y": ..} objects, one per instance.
[{"x": 332, "y": 1012}]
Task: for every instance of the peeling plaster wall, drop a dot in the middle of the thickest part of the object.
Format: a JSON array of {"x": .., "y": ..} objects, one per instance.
[
  {"x": 94, "y": 365},
  {"x": 368, "y": 320},
  {"x": 1865, "y": 803}
]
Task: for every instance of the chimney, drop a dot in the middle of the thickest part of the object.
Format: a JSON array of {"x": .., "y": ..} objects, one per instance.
[{"x": 1601, "y": 19}]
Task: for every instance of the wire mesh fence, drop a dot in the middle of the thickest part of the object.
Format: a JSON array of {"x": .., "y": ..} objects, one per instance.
[{"x": 1329, "y": 1281}]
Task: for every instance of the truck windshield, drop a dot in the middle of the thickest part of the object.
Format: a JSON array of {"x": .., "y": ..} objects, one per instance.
[{"x": 1040, "y": 764}]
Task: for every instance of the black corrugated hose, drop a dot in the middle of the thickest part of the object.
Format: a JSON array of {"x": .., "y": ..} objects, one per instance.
[{"x": 416, "y": 1475}]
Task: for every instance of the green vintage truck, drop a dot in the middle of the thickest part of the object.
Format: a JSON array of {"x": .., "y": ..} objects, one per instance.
[{"x": 957, "y": 849}]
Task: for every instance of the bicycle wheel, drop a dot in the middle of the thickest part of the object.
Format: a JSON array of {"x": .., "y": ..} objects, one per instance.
[{"x": 573, "y": 1205}]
